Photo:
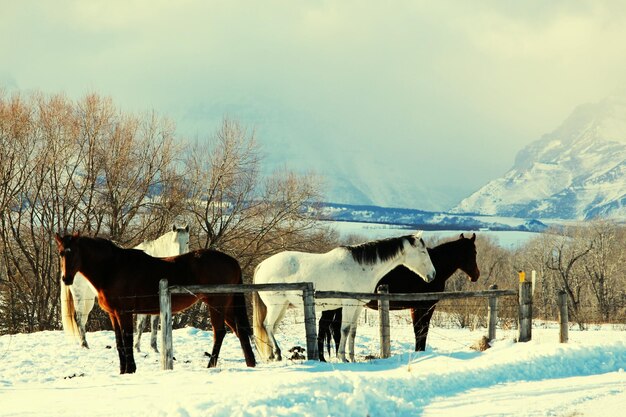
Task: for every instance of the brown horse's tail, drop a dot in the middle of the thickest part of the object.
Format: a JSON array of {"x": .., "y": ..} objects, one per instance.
[
  {"x": 261, "y": 338},
  {"x": 68, "y": 312}
]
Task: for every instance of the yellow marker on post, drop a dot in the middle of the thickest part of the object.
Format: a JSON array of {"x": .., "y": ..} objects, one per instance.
[{"x": 522, "y": 276}]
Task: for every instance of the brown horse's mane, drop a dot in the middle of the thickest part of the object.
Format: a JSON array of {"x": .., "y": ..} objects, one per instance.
[
  {"x": 105, "y": 248},
  {"x": 101, "y": 242}
]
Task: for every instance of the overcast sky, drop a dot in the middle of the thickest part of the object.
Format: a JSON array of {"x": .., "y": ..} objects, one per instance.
[{"x": 452, "y": 89}]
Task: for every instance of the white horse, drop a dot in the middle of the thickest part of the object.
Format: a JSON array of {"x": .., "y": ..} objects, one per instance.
[
  {"x": 347, "y": 268},
  {"x": 78, "y": 299}
]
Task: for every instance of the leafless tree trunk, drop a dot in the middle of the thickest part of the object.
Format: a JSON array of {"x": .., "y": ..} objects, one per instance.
[
  {"x": 604, "y": 266},
  {"x": 566, "y": 254}
]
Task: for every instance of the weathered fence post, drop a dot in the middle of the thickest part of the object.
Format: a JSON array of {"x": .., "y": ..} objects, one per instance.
[
  {"x": 492, "y": 312},
  {"x": 383, "y": 323},
  {"x": 167, "y": 351},
  {"x": 525, "y": 309},
  {"x": 308, "y": 298},
  {"x": 563, "y": 316}
]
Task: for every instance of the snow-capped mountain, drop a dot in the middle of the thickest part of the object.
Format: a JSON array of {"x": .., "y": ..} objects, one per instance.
[{"x": 576, "y": 172}]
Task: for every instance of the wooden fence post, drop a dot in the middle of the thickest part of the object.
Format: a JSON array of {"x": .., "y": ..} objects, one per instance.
[
  {"x": 383, "y": 323},
  {"x": 167, "y": 351},
  {"x": 563, "y": 316},
  {"x": 308, "y": 298},
  {"x": 492, "y": 312},
  {"x": 525, "y": 311}
]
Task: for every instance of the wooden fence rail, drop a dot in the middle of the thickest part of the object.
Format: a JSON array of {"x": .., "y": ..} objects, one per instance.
[
  {"x": 167, "y": 361},
  {"x": 427, "y": 296},
  {"x": 309, "y": 295},
  {"x": 383, "y": 307}
]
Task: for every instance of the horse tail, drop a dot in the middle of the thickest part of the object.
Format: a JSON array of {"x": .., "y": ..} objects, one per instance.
[
  {"x": 261, "y": 338},
  {"x": 68, "y": 312}
]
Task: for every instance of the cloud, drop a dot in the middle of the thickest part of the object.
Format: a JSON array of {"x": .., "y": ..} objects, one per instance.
[{"x": 453, "y": 88}]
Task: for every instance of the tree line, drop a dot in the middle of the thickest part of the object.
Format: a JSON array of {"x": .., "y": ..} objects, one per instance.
[
  {"x": 84, "y": 165},
  {"x": 587, "y": 261}
]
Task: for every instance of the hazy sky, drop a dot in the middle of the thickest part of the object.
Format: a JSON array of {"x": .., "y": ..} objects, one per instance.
[{"x": 446, "y": 91}]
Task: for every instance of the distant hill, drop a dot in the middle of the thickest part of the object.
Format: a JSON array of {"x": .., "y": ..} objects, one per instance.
[{"x": 425, "y": 220}]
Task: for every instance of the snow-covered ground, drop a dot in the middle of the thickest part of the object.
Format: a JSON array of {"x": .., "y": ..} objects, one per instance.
[{"x": 46, "y": 374}]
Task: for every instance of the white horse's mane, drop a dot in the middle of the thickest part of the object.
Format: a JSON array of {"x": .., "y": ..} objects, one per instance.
[{"x": 380, "y": 250}]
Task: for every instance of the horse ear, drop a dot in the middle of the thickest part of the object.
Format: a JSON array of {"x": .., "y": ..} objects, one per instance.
[
  {"x": 76, "y": 234},
  {"x": 173, "y": 228},
  {"x": 462, "y": 237},
  {"x": 58, "y": 239},
  {"x": 187, "y": 228},
  {"x": 473, "y": 237}
]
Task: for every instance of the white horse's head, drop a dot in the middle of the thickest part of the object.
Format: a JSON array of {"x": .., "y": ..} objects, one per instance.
[
  {"x": 417, "y": 258},
  {"x": 178, "y": 242}
]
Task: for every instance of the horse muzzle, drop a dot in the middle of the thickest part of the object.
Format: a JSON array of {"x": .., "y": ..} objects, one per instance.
[
  {"x": 67, "y": 281},
  {"x": 474, "y": 277}
]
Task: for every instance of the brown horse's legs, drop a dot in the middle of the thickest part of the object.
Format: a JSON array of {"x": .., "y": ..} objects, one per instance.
[
  {"x": 219, "y": 331},
  {"x": 421, "y": 321},
  {"x": 123, "y": 326},
  {"x": 243, "y": 334},
  {"x": 218, "y": 338},
  {"x": 244, "y": 340},
  {"x": 329, "y": 327},
  {"x": 323, "y": 332}
]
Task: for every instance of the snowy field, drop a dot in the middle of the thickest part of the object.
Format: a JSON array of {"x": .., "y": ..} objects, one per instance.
[
  {"x": 46, "y": 374},
  {"x": 372, "y": 231}
]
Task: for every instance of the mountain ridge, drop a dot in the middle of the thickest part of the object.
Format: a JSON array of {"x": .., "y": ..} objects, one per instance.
[{"x": 576, "y": 172}]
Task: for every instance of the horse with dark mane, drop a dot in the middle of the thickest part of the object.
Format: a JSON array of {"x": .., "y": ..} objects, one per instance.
[
  {"x": 127, "y": 283},
  {"x": 77, "y": 300},
  {"x": 346, "y": 268},
  {"x": 446, "y": 258}
]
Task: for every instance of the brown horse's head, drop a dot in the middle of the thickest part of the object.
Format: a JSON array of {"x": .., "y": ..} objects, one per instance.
[
  {"x": 467, "y": 257},
  {"x": 69, "y": 256}
]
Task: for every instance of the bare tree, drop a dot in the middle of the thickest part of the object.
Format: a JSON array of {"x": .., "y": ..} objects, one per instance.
[
  {"x": 73, "y": 166},
  {"x": 223, "y": 177},
  {"x": 605, "y": 266},
  {"x": 566, "y": 252},
  {"x": 236, "y": 209},
  {"x": 135, "y": 160}
]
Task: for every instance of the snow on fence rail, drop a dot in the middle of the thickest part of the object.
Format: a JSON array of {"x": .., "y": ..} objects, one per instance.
[{"x": 309, "y": 295}]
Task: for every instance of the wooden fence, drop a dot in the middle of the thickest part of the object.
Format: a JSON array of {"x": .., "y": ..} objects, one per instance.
[
  {"x": 384, "y": 297},
  {"x": 167, "y": 352},
  {"x": 309, "y": 295}
]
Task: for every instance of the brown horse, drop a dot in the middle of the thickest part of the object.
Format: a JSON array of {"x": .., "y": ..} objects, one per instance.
[
  {"x": 127, "y": 282},
  {"x": 447, "y": 259}
]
